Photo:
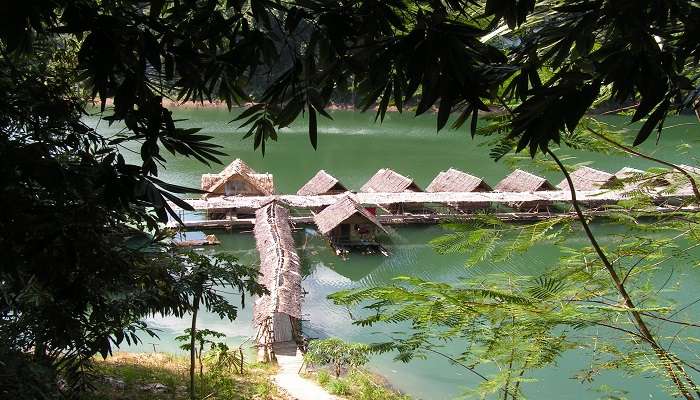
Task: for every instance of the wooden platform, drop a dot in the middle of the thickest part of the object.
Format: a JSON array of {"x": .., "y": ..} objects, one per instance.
[
  {"x": 209, "y": 240},
  {"x": 597, "y": 197},
  {"x": 418, "y": 219}
]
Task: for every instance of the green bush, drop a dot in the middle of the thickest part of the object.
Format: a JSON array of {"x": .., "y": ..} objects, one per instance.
[
  {"x": 323, "y": 378},
  {"x": 368, "y": 391},
  {"x": 337, "y": 354},
  {"x": 264, "y": 389},
  {"x": 339, "y": 387}
]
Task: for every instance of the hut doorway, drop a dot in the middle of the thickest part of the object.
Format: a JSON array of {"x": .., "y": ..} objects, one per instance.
[
  {"x": 344, "y": 233},
  {"x": 282, "y": 328}
]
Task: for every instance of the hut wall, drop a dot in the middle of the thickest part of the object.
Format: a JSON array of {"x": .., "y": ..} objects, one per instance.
[
  {"x": 354, "y": 230},
  {"x": 236, "y": 185},
  {"x": 282, "y": 327},
  {"x": 335, "y": 190}
]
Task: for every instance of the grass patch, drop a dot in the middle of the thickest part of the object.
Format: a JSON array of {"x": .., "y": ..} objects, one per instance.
[
  {"x": 137, "y": 376},
  {"x": 357, "y": 384}
]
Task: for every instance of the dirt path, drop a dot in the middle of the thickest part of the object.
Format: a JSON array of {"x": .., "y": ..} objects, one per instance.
[{"x": 289, "y": 360}]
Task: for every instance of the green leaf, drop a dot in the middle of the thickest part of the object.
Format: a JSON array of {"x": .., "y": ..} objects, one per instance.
[{"x": 313, "y": 128}]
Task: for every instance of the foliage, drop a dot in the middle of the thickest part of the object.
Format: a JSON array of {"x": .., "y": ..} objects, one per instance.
[
  {"x": 339, "y": 387},
  {"x": 558, "y": 58},
  {"x": 323, "y": 377},
  {"x": 201, "y": 337},
  {"x": 336, "y": 353},
  {"x": 521, "y": 323},
  {"x": 125, "y": 375},
  {"x": 358, "y": 384},
  {"x": 22, "y": 378},
  {"x": 205, "y": 277},
  {"x": 223, "y": 358},
  {"x": 83, "y": 259},
  {"x": 486, "y": 237},
  {"x": 202, "y": 278}
]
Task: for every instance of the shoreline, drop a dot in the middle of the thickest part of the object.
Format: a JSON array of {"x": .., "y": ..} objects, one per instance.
[{"x": 220, "y": 105}]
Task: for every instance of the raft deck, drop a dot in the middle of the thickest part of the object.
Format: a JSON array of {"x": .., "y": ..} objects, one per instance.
[{"x": 595, "y": 202}]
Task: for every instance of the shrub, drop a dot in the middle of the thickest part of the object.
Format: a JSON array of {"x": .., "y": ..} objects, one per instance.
[
  {"x": 323, "y": 378},
  {"x": 339, "y": 387},
  {"x": 337, "y": 353},
  {"x": 263, "y": 389}
]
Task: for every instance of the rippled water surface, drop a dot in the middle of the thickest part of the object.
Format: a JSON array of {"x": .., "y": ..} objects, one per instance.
[{"x": 352, "y": 148}]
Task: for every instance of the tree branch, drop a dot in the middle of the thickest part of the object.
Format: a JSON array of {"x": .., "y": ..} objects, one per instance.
[
  {"x": 639, "y": 321},
  {"x": 626, "y": 149}
]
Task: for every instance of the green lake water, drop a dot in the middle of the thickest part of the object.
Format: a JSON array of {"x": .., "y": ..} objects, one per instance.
[{"x": 352, "y": 147}]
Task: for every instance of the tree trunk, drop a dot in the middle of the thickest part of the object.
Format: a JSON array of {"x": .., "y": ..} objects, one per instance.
[
  {"x": 193, "y": 349},
  {"x": 240, "y": 351},
  {"x": 199, "y": 357}
]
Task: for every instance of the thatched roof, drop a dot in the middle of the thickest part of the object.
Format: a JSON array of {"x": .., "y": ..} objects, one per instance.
[
  {"x": 587, "y": 178},
  {"x": 690, "y": 169},
  {"x": 216, "y": 182},
  {"x": 321, "y": 183},
  {"x": 522, "y": 181},
  {"x": 279, "y": 264},
  {"x": 341, "y": 211},
  {"x": 686, "y": 188},
  {"x": 389, "y": 181},
  {"x": 633, "y": 178},
  {"x": 389, "y": 199},
  {"x": 454, "y": 180},
  {"x": 628, "y": 172}
]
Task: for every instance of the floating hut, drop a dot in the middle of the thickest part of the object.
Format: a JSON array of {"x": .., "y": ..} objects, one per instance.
[
  {"x": 636, "y": 179},
  {"x": 454, "y": 180},
  {"x": 587, "y": 178},
  {"x": 277, "y": 315},
  {"x": 690, "y": 169},
  {"x": 520, "y": 181},
  {"x": 237, "y": 179},
  {"x": 685, "y": 188},
  {"x": 389, "y": 181},
  {"x": 322, "y": 183},
  {"x": 348, "y": 225},
  {"x": 628, "y": 173}
]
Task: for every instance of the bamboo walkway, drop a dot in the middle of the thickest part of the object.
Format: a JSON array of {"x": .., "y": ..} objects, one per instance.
[
  {"x": 389, "y": 199},
  {"x": 595, "y": 201}
]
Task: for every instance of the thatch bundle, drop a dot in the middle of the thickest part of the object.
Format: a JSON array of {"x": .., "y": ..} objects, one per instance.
[
  {"x": 690, "y": 169},
  {"x": 389, "y": 181},
  {"x": 685, "y": 188},
  {"x": 454, "y": 180},
  {"x": 208, "y": 180},
  {"x": 522, "y": 181},
  {"x": 633, "y": 179},
  {"x": 587, "y": 178},
  {"x": 322, "y": 183}
]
